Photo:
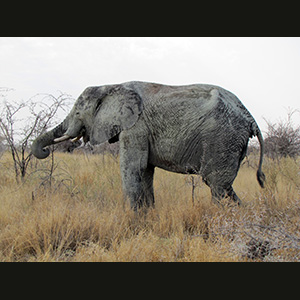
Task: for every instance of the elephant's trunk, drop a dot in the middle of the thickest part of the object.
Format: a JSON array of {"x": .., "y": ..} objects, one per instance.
[{"x": 38, "y": 146}]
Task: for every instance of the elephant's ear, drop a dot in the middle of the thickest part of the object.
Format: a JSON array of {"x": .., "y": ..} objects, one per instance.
[{"x": 119, "y": 109}]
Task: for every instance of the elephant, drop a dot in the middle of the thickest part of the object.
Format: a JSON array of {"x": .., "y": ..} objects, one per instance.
[{"x": 189, "y": 129}]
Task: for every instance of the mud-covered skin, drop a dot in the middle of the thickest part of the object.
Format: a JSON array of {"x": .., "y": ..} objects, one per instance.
[{"x": 195, "y": 129}]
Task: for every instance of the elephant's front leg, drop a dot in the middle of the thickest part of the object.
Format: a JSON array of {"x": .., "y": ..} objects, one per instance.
[
  {"x": 147, "y": 196},
  {"x": 137, "y": 174},
  {"x": 138, "y": 187}
]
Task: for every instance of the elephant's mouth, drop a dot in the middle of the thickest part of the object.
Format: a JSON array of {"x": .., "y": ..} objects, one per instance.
[
  {"x": 82, "y": 134},
  {"x": 114, "y": 139},
  {"x": 73, "y": 139}
]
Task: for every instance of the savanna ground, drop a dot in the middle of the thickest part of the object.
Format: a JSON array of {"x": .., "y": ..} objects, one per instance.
[{"x": 72, "y": 209}]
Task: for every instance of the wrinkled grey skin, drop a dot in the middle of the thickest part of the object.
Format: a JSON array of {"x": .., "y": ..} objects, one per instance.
[{"x": 194, "y": 129}]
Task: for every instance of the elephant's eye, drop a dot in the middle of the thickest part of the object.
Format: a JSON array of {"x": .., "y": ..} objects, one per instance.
[
  {"x": 98, "y": 105},
  {"x": 77, "y": 114}
]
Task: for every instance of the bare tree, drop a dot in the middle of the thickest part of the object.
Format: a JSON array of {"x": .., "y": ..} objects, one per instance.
[
  {"x": 283, "y": 138},
  {"x": 38, "y": 116},
  {"x": 2, "y": 146}
]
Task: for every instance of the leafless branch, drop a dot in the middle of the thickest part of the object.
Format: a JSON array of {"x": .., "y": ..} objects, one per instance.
[
  {"x": 283, "y": 138},
  {"x": 18, "y": 133}
]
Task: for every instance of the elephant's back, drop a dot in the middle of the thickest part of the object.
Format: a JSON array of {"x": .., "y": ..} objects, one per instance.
[
  {"x": 149, "y": 91},
  {"x": 153, "y": 92},
  {"x": 194, "y": 101}
]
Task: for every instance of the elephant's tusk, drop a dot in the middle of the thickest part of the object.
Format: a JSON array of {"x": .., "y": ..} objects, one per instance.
[
  {"x": 76, "y": 139},
  {"x": 62, "y": 138}
]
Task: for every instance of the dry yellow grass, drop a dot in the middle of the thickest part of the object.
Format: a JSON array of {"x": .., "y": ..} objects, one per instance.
[{"x": 78, "y": 214}]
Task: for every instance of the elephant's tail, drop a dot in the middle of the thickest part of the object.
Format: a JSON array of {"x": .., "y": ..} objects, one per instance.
[{"x": 260, "y": 175}]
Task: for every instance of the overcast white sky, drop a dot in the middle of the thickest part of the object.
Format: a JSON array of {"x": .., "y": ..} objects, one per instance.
[{"x": 263, "y": 72}]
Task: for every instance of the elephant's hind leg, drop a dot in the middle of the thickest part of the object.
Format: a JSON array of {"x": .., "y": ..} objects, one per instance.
[
  {"x": 219, "y": 193},
  {"x": 233, "y": 196},
  {"x": 220, "y": 183}
]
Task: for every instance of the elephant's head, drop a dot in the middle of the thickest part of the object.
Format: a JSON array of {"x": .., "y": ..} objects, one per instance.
[{"x": 98, "y": 115}]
